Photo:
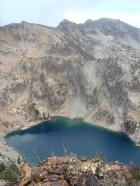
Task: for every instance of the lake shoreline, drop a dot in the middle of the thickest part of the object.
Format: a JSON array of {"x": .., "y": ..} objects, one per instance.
[
  {"x": 14, "y": 154},
  {"x": 68, "y": 122}
]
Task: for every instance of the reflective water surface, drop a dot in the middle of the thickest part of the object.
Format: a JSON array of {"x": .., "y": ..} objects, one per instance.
[{"x": 80, "y": 137}]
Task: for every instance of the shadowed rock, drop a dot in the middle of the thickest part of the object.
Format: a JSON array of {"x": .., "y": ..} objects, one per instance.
[{"x": 67, "y": 171}]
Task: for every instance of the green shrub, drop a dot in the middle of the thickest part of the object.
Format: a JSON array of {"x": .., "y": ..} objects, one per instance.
[
  {"x": 135, "y": 172},
  {"x": 10, "y": 173},
  {"x": 18, "y": 161},
  {"x": 2, "y": 167},
  {"x": 36, "y": 111},
  {"x": 130, "y": 127}
]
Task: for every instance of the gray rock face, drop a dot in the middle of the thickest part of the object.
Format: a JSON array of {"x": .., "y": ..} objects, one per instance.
[
  {"x": 113, "y": 27},
  {"x": 89, "y": 70}
]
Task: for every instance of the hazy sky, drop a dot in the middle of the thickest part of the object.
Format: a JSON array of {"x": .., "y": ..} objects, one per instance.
[{"x": 51, "y": 12}]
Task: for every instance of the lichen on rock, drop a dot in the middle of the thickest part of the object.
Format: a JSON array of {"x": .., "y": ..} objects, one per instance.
[{"x": 68, "y": 171}]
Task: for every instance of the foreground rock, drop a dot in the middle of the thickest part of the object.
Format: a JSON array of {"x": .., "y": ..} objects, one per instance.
[{"x": 68, "y": 171}]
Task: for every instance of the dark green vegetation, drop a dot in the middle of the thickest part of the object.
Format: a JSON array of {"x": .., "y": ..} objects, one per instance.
[
  {"x": 19, "y": 161},
  {"x": 130, "y": 127},
  {"x": 135, "y": 171},
  {"x": 10, "y": 173}
]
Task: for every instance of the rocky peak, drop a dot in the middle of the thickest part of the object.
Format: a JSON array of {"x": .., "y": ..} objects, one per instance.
[
  {"x": 113, "y": 27},
  {"x": 17, "y": 25},
  {"x": 20, "y": 32},
  {"x": 66, "y": 25},
  {"x": 65, "y": 21},
  {"x": 104, "y": 30}
]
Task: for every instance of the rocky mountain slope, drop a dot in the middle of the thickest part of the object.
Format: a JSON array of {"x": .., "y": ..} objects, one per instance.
[{"x": 89, "y": 70}]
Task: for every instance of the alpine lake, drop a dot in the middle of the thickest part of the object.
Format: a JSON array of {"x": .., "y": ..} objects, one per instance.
[{"x": 78, "y": 137}]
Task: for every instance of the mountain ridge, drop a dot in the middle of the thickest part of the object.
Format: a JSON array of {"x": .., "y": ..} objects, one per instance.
[{"x": 73, "y": 70}]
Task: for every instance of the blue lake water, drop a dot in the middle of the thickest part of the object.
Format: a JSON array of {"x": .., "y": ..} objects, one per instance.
[{"x": 80, "y": 137}]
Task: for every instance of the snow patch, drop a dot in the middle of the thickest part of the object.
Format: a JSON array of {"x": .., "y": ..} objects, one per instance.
[{"x": 109, "y": 37}]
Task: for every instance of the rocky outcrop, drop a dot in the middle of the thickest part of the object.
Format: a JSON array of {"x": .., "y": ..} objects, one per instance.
[
  {"x": 68, "y": 171},
  {"x": 89, "y": 71}
]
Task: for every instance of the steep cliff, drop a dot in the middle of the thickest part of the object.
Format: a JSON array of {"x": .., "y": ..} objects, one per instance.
[{"x": 89, "y": 70}]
